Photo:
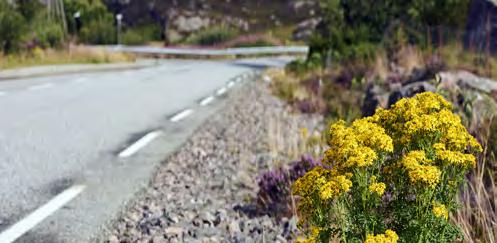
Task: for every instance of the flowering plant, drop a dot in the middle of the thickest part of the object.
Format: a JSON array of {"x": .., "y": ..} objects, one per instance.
[
  {"x": 274, "y": 192},
  {"x": 390, "y": 177}
]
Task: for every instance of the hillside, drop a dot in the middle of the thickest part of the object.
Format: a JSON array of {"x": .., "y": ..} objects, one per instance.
[{"x": 178, "y": 19}]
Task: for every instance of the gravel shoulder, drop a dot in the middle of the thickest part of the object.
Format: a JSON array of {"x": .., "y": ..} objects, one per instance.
[{"x": 197, "y": 192}]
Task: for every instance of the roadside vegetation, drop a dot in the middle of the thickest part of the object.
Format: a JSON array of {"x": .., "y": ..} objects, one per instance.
[
  {"x": 368, "y": 57},
  {"x": 73, "y": 54},
  {"x": 33, "y": 33},
  {"x": 212, "y": 36}
]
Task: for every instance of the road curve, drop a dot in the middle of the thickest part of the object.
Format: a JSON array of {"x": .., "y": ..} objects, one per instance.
[
  {"x": 241, "y": 51},
  {"x": 93, "y": 139}
]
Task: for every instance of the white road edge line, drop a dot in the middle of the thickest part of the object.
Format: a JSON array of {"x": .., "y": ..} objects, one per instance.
[
  {"x": 23, "y": 226},
  {"x": 142, "y": 142},
  {"x": 221, "y": 91},
  {"x": 207, "y": 100},
  {"x": 181, "y": 115},
  {"x": 41, "y": 86}
]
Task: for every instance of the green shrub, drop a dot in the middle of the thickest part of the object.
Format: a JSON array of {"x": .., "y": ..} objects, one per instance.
[
  {"x": 256, "y": 43},
  {"x": 97, "y": 23},
  {"x": 132, "y": 37},
  {"x": 99, "y": 32},
  {"x": 49, "y": 34},
  {"x": 351, "y": 27},
  {"x": 212, "y": 36},
  {"x": 12, "y": 27},
  {"x": 301, "y": 66},
  {"x": 141, "y": 35}
]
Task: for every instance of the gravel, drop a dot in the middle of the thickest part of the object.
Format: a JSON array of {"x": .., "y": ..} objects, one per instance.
[{"x": 205, "y": 192}]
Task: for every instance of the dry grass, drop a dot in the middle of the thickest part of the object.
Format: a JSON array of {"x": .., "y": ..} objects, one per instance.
[
  {"x": 477, "y": 217},
  {"x": 380, "y": 67},
  {"x": 285, "y": 86},
  {"x": 410, "y": 58},
  {"x": 73, "y": 54},
  {"x": 454, "y": 56}
]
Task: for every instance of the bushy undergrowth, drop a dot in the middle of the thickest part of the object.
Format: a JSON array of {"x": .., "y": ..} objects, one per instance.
[
  {"x": 213, "y": 36},
  {"x": 274, "y": 195},
  {"x": 141, "y": 35},
  {"x": 336, "y": 94},
  {"x": 391, "y": 177}
]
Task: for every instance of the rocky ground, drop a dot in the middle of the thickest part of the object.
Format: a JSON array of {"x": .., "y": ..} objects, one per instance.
[{"x": 198, "y": 193}]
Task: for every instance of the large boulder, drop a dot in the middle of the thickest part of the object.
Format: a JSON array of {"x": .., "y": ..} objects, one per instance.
[
  {"x": 305, "y": 29},
  {"x": 188, "y": 24}
]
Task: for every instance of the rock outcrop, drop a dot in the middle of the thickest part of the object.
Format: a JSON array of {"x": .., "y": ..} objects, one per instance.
[{"x": 181, "y": 18}]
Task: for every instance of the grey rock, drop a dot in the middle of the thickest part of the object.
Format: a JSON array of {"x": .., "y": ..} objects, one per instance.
[
  {"x": 113, "y": 239},
  {"x": 174, "y": 231},
  {"x": 186, "y": 24},
  {"x": 305, "y": 29}
]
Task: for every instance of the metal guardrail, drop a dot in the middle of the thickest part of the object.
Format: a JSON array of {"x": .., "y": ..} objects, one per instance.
[{"x": 269, "y": 50}]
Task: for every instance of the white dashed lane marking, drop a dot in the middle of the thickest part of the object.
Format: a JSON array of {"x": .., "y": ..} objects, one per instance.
[
  {"x": 221, "y": 91},
  {"x": 182, "y": 115},
  {"x": 23, "y": 226},
  {"x": 206, "y": 100},
  {"x": 142, "y": 142}
]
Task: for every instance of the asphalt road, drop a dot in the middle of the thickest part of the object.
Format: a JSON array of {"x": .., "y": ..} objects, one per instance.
[
  {"x": 61, "y": 131},
  {"x": 299, "y": 50}
]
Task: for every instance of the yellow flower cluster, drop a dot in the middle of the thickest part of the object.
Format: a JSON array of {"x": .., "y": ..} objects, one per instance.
[
  {"x": 377, "y": 187},
  {"x": 356, "y": 146},
  {"x": 454, "y": 157},
  {"x": 389, "y": 237},
  {"x": 327, "y": 184},
  {"x": 425, "y": 115},
  {"x": 311, "y": 181},
  {"x": 419, "y": 169},
  {"x": 440, "y": 211},
  {"x": 335, "y": 187},
  {"x": 312, "y": 238},
  {"x": 419, "y": 137}
]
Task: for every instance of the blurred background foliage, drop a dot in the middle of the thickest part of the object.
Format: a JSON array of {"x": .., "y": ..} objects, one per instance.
[{"x": 351, "y": 28}]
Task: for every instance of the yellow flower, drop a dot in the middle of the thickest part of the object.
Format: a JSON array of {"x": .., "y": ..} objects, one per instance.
[
  {"x": 389, "y": 237},
  {"x": 426, "y": 115},
  {"x": 440, "y": 211},
  {"x": 457, "y": 158},
  {"x": 335, "y": 187},
  {"x": 313, "y": 237},
  {"x": 361, "y": 157},
  {"x": 372, "y": 135},
  {"x": 310, "y": 182},
  {"x": 356, "y": 146},
  {"x": 378, "y": 188},
  {"x": 415, "y": 162},
  {"x": 304, "y": 132},
  {"x": 454, "y": 157}
]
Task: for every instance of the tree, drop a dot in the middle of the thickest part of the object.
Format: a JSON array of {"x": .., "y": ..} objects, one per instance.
[
  {"x": 12, "y": 26},
  {"x": 97, "y": 23},
  {"x": 351, "y": 28}
]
